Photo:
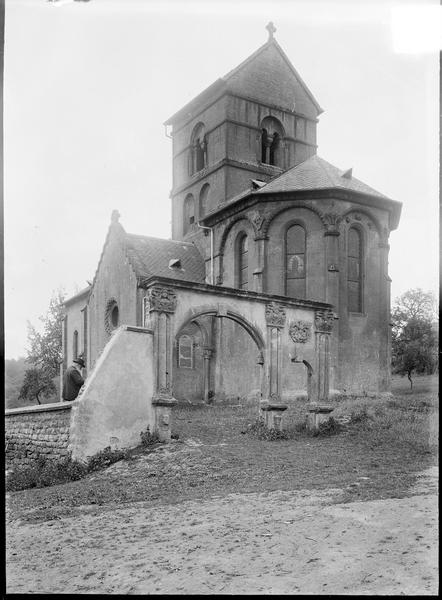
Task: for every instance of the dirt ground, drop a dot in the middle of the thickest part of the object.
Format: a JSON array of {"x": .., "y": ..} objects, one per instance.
[{"x": 276, "y": 542}]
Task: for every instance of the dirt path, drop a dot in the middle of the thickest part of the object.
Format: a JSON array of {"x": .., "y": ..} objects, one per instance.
[{"x": 275, "y": 542}]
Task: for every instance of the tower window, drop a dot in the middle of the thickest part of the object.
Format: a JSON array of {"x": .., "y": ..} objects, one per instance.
[
  {"x": 295, "y": 261},
  {"x": 271, "y": 142},
  {"x": 354, "y": 270},
  {"x": 198, "y": 149},
  {"x": 242, "y": 262}
]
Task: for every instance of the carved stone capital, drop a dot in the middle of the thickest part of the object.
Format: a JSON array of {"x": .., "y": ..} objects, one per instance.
[
  {"x": 256, "y": 218},
  {"x": 162, "y": 299},
  {"x": 275, "y": 315},
  {"x": 332, "y": 222},
  {"x": 300, "y": 331},
  {"x": 324, "y": 321}
]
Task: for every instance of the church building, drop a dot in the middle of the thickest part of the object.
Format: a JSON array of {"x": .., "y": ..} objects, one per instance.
[{"x": 275, "y": 283}]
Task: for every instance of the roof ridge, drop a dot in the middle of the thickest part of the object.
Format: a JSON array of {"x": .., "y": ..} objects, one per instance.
[
  {"x": 242, "y": 64},
  {"x": 152, "y": 237}
]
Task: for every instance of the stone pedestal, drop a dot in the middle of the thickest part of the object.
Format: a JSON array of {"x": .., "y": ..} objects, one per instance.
[
  {"x": 317, "y": 414},
  {"x": 162, "y": 409},
  {"x": 273, "y": 415}
]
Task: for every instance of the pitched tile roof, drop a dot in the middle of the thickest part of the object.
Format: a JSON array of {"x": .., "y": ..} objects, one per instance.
[
  {"x": 150, "y": 256},
  {"x": 315, "y": 173}
]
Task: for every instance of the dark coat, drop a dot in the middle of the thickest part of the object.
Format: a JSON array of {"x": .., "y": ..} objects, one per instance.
[{"x": 72, "y": 382}]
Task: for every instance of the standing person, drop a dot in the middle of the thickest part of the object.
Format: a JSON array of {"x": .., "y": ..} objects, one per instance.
[{"x": 73, "y": 380}]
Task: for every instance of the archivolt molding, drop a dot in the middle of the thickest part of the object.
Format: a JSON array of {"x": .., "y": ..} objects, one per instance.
[
  {"x": 355, "y": 215},
  {"x": 277, "y": 212},
  {"x": 228, "y": 229},
  {"x": 210, "y": 310},
  {"x": 200, "y": 326}
]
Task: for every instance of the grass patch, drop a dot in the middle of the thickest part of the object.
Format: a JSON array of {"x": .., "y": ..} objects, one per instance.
[
  {"x": 378, "y": 454},
  {"x": 259, "y": 431}
]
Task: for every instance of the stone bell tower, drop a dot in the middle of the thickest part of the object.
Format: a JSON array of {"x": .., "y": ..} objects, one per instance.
[{"x": 246, "y": 128}]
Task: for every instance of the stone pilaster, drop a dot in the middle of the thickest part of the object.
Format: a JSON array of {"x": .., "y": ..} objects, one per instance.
[
  {"x": 331, "y": 235},
  {"x": 275, "y": 319},
  {"x": 321, "y": 372},
  {"x": 384, "y": 314},
  {"x": 161, "y": 306}
]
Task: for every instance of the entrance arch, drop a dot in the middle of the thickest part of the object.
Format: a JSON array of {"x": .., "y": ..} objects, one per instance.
[{"x": 217, "y": 355}]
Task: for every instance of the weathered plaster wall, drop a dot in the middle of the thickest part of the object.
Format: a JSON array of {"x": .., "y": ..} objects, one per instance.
[
  {"x": 37, "y": 431},
  {"x": 115, "y": 404},
  {"x": 115, "y": 279},
  {"x": 236, "y": 371}
]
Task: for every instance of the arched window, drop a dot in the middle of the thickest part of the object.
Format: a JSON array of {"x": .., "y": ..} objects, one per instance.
[
  {"x": 112, "y": 316},
  {"x": 75, "y": 345},
  {"x": 242, "y": 262},
  {"x": 188, "y": 213},
  {"x": 272, "y": 135},
  {"x": 204, "y": 199},
  {"x": 295, "y": 261},
  {"x": 185, "y": 352},
  {"x": 198, "y": 149},
  {"x": 115, "y": 316},
  {"x": 264, "y": 135},
  {"x": 354, "y": 270}
]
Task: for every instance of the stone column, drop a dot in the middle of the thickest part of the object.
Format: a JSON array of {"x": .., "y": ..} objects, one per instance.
[
  {"x": 321, "y": 372},
  {"x": 207, "y": 355},
  {"x": 161, "y": 306},
  {"x": 275, "y": 319},
  {"x": 218, "y": 268},
  {"x": 259, "y": 273}
]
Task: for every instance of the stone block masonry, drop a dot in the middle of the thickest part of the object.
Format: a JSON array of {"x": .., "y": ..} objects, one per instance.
[{"x": 37, "y": 431}]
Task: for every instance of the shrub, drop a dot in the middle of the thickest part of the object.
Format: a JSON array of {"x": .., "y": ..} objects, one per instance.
[
  {"x": 106, "y": 457},
  {"x": 149, "y": 439},
  {"x": 44, "y": 472},
  {"x": 329, "y": 427}
]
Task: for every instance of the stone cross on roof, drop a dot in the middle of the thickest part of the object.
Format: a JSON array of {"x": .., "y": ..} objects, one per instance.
[{"x": 271, "y": 29}]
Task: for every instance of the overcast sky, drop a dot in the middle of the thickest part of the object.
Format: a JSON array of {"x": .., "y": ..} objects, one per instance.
[{"x": 88, "y": 85}]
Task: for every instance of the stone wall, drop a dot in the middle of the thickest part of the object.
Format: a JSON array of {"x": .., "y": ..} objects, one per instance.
[{"x": 37, "y": 430}]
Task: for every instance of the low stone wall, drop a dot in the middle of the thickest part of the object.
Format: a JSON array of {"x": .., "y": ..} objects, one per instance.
[{"x": 37, "y": 431}]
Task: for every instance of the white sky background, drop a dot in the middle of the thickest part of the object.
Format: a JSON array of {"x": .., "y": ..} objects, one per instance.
[{"x": 87, "y": 87}]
